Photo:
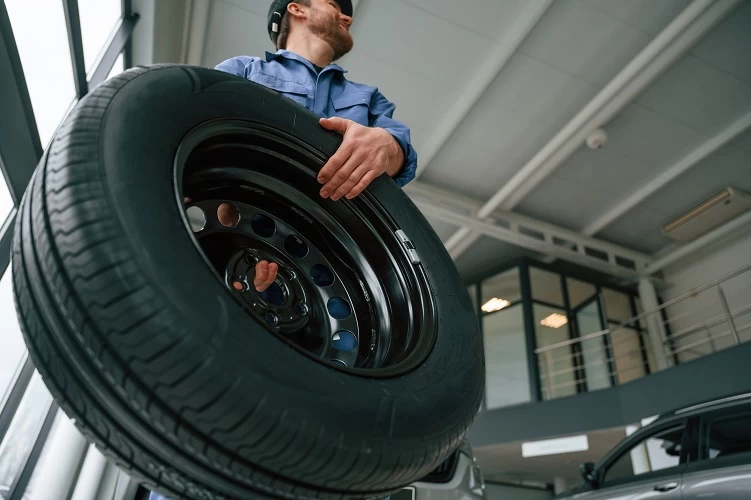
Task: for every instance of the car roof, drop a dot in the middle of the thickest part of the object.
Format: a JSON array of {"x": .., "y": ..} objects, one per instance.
[{"x": 743, "y": 398}]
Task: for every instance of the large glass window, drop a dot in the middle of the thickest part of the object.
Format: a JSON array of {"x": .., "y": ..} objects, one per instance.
[
  {"x": 118, "y": 68},
  {"x": 557, "y": 367},
  {"x": 629, "y": 354},
  {"x": 501, "y": 290},
  {"x": 506, "y": 375},
  {"x": 594, "y": 354},
  {"x": 546, "y": 286},
  {"x": 658, "y": 452},
  {"x": 617, "y": 305},
  {"x": 98, "y": 21},
  {"x": 12, "y": 343},
  {"x": 23, "y": 431},
  {"x": 6, "y": 202},
  {"x": 42, "y": 39},
  {"x": 579, "y": 292}
]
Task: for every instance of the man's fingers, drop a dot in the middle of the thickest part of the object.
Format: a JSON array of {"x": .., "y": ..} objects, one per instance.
[
  {"x": 335, "y": 163},
  {"x": 351, "y": 182},
  {"x": 341, "y": 175},
  {"x": 262, "y": 270},
  {"x": 369, "y": 176},
  {"x": 335, "y": 123},
  {"x": 273, "y": 271}
]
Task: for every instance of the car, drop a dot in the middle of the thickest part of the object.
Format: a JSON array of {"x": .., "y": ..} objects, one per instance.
[
  {"x": 696, "y": 452},
  {"x": 458, "y": 477}
]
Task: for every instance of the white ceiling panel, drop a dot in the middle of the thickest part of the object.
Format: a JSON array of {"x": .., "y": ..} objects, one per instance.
[
  {"x": 698, "y": 95},
  {"x": 579, "y": 39},
  {"x": 489, "y": 18},
  {"x": 650, "y": 16},
  {"x": 258, "y": 7},
  {"x": 522, "y": 110},
  {"x": 247, "y": 29},
  {"x": 728, "y": 47},
  {"x": 418, "y": 42},
  {"x": 414, "y": 95},
  {"x": 730, "y": 166},
  {"x": 640, "y": 231},
  {"x": 565, "y": 203}
]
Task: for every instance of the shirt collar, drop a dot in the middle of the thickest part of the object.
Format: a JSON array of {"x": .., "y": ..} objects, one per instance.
[{"x": 291, "y": 55}]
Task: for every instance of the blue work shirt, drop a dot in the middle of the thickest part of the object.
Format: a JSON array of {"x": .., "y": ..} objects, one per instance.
[{"x": 327, "y": 94}]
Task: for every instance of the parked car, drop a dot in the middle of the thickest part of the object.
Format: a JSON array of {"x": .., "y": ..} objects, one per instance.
[
  {"x": 697, "y": 452},
  {"x": 458, "y": 477}
]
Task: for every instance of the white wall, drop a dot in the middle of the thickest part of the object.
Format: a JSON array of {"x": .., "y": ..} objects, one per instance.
[
  {"x": 714, "y": 261},
  {"x": 508, "y": 492}
]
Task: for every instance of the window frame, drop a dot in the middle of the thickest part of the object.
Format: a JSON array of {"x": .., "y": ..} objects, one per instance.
[
  {"x": 705, "y": 420},
  {"x": 638, "y": 438}
]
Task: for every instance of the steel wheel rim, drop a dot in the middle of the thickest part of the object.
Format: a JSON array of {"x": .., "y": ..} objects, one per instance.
[{"x": 269, "y": 178}]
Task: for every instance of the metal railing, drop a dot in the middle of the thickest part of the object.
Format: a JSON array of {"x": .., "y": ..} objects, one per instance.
[{"x": 703, "y": 320}]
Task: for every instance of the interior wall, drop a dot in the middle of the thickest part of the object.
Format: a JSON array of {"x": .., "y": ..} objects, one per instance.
[{"x": 721, "y": 258}]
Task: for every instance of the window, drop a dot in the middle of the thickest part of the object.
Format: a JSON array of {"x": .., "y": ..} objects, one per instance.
[
  {"x": 557, "y": 367},
  {"x": 504, "y": 287},
  {"x": 728, "y": 436},
  {"x": 98, "y": 20},
  {"x": 42, "y": 42},
  {"x": 546, "y": 286},
  {"x": 579, "y": 292},
  {"x": 118, "y": 68},
  {"x": 23, "y": 431},
  {"x": 617, "y": 305},
  {"x": 506, "y": 375},
  {"x": 12, "y": 343},
  {"x": 657, "y": 452},
  {"x": 6, "y": 202}
]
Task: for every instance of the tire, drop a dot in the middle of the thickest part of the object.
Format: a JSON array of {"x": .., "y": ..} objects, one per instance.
[{"x": 159, "y": 364}]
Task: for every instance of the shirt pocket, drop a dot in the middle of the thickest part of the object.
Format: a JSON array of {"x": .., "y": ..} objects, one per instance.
[
  {"x": 292, "y": 90},
  {"x": 353, "y": 106}
]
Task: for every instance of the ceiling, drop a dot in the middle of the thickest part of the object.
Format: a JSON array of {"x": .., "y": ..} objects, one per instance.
[{"x": 437, "y": 51}]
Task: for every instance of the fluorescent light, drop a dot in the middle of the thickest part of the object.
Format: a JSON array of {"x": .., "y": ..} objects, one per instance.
[
  {"x": 555, "y": 320},
  {"x": 494, "y": 304},
  {"x": 555, "y": 446}
]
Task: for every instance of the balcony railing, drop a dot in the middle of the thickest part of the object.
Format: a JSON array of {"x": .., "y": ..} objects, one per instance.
[{"x": 714, "y": 316}]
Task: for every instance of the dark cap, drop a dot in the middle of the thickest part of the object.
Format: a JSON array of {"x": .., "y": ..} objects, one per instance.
[{"x": 279, "y": 7}]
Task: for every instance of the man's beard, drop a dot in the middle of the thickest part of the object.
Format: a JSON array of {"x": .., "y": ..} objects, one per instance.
[{"x": 332, "y": 32}]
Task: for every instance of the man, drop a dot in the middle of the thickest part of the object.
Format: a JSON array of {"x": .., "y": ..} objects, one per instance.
[{"x": 310, "y": 35}]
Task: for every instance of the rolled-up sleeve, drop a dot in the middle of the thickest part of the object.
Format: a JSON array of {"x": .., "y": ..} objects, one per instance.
[{"x": 381, "y": 115}]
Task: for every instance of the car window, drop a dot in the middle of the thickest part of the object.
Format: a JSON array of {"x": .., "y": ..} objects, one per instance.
[
  {"x": 659, "y": 451},
  {"x": 725, "y": 436}
]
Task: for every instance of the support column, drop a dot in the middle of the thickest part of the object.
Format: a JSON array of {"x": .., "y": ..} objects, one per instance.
[{"x": 655, "y": 328}]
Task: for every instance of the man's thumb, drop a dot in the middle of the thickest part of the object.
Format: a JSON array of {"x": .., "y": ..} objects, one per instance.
[{"x": 334, "y": 123}]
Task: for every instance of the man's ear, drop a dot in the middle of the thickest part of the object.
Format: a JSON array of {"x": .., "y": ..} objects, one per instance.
[{"x": 297, "y": 10}]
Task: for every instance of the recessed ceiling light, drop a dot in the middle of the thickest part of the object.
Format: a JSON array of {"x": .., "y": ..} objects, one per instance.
[
  {"x": 495, "y": 304},
  {"x": 555, "y": 320}
]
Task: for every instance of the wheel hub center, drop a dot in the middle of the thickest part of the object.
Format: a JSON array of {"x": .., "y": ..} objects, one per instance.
[{"x": 285, "y": 305}]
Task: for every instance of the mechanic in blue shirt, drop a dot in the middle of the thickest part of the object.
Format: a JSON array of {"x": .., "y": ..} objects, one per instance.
[{"x": 310, "y": 35}]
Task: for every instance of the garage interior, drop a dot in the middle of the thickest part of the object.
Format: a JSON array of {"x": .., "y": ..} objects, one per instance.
[{"x": 586, "y": 163}]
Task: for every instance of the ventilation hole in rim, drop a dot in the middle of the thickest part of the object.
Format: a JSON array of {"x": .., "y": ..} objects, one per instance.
[
  {"x": 296, "y": 247},
  {"x": 322, "y": 275},
  {"x": 263, "y": 226},
  {"x": 344, "y": 341},
  {"x": 339, "y": 308},
  {"x": 228, "y": 215}
]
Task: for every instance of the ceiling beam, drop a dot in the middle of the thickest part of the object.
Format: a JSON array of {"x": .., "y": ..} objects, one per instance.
[
  {"x": 529, "y": 233},
  {"x": 734, "y": 226},
  {"x": 675, "y": 40},
  {"x": 471, "y": 94},
  {"x": 684, "y": 164}
]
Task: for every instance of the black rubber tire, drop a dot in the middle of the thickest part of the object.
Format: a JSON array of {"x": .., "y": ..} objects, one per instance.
[{"x": 139, "y": 342}]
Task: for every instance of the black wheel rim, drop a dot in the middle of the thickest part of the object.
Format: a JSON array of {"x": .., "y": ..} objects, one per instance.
[{"x": 349, "y": 293}]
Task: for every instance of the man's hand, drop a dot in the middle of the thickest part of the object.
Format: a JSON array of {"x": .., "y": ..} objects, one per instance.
[
  {"x": 365, "y": 154},
  {"x": 265, "y": 275}
]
